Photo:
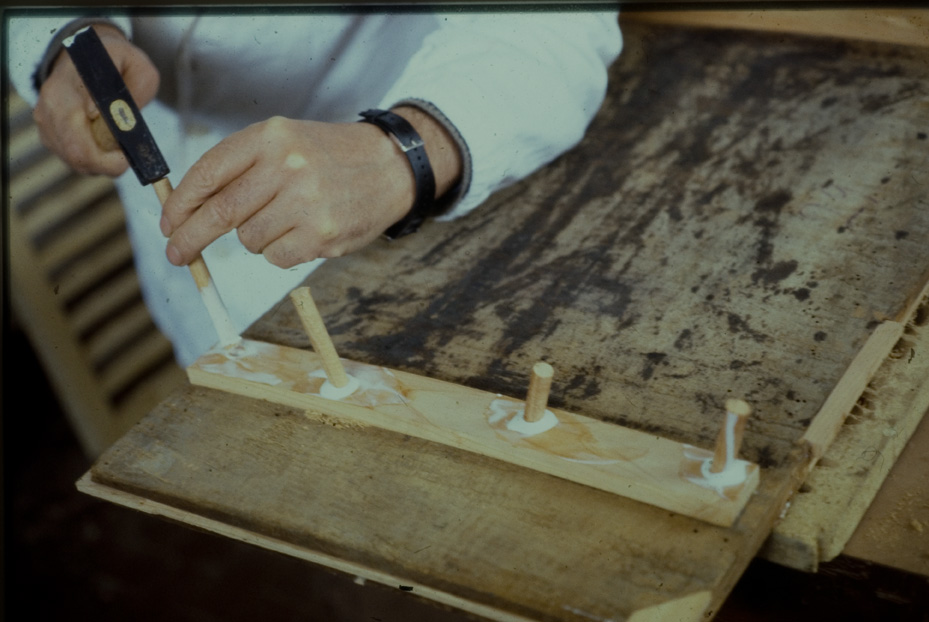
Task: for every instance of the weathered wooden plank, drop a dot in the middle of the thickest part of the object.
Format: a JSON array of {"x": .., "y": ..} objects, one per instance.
[
  {"x": 741, "y": 216},
  {"x": 906, "y": 26},
  {"x": 519, "y": 542},
  {"x": 608, "y": 457}
]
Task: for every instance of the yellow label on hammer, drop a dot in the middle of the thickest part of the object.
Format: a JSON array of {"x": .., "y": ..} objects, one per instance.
[{"x": 122, "y": 115}]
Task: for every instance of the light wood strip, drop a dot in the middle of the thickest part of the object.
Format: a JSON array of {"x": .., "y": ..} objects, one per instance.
[
  {"x": 16, "y": 105},
  {"x": 825, "y": 426},
  {"x": 634, "y": 464}
]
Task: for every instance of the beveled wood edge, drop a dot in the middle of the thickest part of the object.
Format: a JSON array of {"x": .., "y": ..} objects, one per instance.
[{"x": 87, "y": 485}]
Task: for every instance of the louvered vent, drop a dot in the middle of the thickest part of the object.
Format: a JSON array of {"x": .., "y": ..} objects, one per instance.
[{"x": 76, "y": 293}]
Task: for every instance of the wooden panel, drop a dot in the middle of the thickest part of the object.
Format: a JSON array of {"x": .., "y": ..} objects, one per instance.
[{"x": 742, "y": 216}]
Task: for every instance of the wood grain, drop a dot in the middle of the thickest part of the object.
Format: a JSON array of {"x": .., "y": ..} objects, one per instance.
[
  {"x": 742, "y": 215},
  {"x": 605, "y": 456}
]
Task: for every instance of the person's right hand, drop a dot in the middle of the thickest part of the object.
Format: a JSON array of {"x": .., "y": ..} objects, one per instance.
[{"x": 65, "y": 109}]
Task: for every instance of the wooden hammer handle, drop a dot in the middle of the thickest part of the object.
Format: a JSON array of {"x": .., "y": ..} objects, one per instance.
[{"x": 102, "y": 134}]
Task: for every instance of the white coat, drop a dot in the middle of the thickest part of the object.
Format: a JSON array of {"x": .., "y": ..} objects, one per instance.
[{"x": 516, "y": 89}]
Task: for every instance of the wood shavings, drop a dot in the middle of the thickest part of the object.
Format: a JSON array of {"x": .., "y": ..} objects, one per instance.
[{"x": 334, "y": 422}]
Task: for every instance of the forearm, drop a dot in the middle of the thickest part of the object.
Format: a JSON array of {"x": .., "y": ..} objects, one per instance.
[{"x": 520, "y": 90}]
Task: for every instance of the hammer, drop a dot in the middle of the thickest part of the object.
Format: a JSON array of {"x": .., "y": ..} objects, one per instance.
[{"x": 124, "y": 125}]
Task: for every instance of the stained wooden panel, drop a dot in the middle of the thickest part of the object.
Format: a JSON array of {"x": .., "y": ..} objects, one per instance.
[{"x": 743, "y": 214}]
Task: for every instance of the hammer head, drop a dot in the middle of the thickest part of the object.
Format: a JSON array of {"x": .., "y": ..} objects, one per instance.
[{"x": 117, "y": 108}]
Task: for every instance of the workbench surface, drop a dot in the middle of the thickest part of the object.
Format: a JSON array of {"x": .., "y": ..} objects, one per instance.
[{"x": 743, "y": 214}]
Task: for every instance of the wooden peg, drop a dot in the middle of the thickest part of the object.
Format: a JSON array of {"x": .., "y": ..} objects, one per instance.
[
  {"x": 540, "y": 383},
  {"x": 319, "y": 336},
  {"x": 730, "y": 435},
  {"x": 225, "y": 329}
]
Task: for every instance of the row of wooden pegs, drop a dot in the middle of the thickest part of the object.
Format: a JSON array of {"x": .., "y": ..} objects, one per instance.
[{"x": 728, "y": 442}]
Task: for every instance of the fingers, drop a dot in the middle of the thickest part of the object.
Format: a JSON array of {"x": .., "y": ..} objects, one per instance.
[
  {"x": 289, "y": 250},
  {"x": 208, "y": 207},
  {"x": 66, "y": 131},
  {"x": 294, "y": 190},
  {"x": 65, "y": 111}
]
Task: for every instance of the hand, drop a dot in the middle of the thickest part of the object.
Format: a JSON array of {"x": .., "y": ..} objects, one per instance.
[
  {"x": 65, "y": 110},
  {"x": 299, "y": 190}
]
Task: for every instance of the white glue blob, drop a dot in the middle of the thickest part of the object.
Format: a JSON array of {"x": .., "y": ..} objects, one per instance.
[
  {"x": 733, "y": 475},
  {"x": 235, "y": 362},
  {"x": 531, "y": 428},
  {"x": 332, "y": 392},
  {"x": 514, "y": 414}
]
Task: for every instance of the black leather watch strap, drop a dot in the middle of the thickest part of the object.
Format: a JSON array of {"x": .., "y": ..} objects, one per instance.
[{"x": 412, "y": 146}]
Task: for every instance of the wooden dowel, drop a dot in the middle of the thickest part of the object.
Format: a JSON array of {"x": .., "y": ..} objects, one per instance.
[
  {"x": 730, "y": 435},
  {"x": 319, "y": 336},
  {"x": 214, "y": 305},
  {"x": 540, "y": 384}
]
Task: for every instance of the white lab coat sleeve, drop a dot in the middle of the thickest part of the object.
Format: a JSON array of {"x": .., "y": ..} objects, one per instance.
[
  {"x": 35, "y": 41},
  {"x": 518, "y": 88}
]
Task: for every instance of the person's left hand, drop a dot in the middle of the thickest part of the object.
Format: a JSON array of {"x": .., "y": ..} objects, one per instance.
[{"x": 294, "y": 190}]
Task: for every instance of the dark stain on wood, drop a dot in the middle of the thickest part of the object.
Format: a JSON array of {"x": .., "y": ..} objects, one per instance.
[{"x": 713, "y": 223}]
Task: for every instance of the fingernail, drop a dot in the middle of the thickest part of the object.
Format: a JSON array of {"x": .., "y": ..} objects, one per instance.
[
  {"x": 174, "y": 255},
  {"x": 165, "y": 226}
]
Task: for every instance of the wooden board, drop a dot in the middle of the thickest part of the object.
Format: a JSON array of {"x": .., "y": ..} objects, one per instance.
[
  {"x": 905, "y": 26},
  {"x": 608, "y": 457},
  {"x": 743, "y": 215}
]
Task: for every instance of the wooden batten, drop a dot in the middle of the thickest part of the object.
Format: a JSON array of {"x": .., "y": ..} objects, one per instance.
[
  {"x": 605, "y": 456},
  {"x": 879, "y": 346}
]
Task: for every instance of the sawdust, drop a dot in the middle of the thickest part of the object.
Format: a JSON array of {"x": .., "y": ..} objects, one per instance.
[{"x": 335, "y": 422}]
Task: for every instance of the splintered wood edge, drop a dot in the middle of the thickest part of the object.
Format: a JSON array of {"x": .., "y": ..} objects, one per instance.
[
  {"x": 827, "y": 422},
  {"x": 810, "y": 533},
  {"x": 619, "y": 460}
]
